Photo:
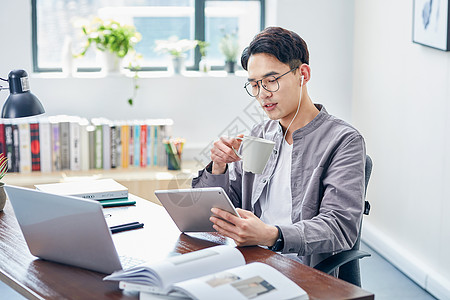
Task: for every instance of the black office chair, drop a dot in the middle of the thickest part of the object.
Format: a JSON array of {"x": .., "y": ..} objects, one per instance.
[{"x": 348, "y": 261}]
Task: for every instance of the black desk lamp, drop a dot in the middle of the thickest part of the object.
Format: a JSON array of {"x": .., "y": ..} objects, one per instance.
[{"x": 21, "y": 102}]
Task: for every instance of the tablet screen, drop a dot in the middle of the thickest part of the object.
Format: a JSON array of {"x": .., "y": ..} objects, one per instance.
[{"x": 190, "y": 209}]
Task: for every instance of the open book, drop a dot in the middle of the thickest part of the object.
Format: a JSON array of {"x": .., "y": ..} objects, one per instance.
[{"x": 216, "y": 273}]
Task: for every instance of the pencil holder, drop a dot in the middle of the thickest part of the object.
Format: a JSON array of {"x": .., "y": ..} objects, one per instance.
[{"x": 173, "y": 162}]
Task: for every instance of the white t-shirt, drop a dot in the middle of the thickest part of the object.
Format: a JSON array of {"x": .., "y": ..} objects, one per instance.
[{"x": 276, "y": 198}]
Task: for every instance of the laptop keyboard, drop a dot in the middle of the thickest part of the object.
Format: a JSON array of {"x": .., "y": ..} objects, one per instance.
[{"x": 129, "y": 262}]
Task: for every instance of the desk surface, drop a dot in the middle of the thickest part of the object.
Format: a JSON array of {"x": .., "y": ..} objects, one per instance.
[{"x": 38, "y": 279}]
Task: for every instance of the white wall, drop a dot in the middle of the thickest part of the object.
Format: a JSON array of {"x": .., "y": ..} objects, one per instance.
[
  {"x": 401, "y": 105},
  {"x": 202, "y": 107},
  {"x": 327, "y": 28}
]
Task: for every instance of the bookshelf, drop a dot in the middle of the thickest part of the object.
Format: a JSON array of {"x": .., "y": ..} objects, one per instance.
[{"x": 139, "y": 181}]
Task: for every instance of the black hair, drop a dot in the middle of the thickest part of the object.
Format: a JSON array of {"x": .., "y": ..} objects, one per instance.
[{"x": 287, "y": 46}]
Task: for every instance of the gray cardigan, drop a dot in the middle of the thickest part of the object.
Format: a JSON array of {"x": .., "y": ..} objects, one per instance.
[{"x": 327, "y": 185}]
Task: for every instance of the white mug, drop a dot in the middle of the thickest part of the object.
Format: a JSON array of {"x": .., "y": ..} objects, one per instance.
[{"x": 255, "y": 153}]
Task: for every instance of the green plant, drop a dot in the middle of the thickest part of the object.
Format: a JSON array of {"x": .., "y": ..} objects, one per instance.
[
  {"x": 175, "y": 46},
  {"x": 229, "y": 46},
  {"x": 110, "y": 35},
  {"x": 134, "y": 67},
  {"x": 3, "y": 165},
  {"x": 202, "y": 47}
]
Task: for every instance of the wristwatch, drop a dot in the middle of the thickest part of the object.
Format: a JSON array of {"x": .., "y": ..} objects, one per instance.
[{"x": 279, "y": 243}]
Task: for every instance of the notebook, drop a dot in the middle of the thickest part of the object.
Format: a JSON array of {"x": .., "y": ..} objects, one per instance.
[
  {"x": 98, "y": 189},
  {"x": 66, "y": 229}
]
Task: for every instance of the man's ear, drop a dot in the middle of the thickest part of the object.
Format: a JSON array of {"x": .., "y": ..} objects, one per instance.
[{"x": 305, "y": 71}]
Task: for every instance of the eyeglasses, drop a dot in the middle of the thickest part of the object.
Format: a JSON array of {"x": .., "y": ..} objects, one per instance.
[{"x": 269, "y": 83}]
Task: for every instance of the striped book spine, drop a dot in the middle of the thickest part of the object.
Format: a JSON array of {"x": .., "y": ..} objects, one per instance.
[
  {"x": 35, "y": 147},
  {"x": 143, "y": 147}
]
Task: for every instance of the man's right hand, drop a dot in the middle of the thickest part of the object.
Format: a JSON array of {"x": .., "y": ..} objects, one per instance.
[{"x": 222, "y": 153}]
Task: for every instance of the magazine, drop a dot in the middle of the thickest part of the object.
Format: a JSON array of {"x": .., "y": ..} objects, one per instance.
[{"x": 218, "y": 272}]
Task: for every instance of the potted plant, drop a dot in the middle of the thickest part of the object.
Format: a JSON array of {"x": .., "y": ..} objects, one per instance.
[
  {"x": 229, "y": 47},
  {"x": 176, "y": 48},
  {"x": 3, "y": 171},
  {"x": 113, "y": 39},
  {"x": 203, "y": 64}
]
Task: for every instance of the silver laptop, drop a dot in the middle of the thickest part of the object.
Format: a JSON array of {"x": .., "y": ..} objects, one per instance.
[{"x": 65, "y": 229}]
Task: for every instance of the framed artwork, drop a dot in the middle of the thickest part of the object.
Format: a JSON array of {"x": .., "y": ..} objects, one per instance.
[{"x": 431, "y": 23}]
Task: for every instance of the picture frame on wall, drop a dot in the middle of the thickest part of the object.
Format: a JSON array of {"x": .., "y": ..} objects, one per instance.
[{"x": 431, "y": 25}]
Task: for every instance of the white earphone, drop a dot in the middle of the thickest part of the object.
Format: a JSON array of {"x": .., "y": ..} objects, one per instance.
[{"x": 287, "y": 129}]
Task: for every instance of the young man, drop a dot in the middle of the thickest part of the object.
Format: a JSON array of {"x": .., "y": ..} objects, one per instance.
[{"x": 308, "y": 202}]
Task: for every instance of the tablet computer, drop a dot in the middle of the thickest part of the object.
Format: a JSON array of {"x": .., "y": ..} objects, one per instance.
[{"x": 190, "y": 209}]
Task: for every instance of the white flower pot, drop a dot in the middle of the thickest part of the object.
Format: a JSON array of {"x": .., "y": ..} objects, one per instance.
[
  {"x": 177, "y": 66},
  {"x": 110, "y": 62},
  {"x": 2, "y": 196},
  {"x": 204, "y": 66},
  {"x": 67, "y": 60}
]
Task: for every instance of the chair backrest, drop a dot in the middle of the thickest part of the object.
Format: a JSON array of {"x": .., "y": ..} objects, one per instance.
[{"x": 350, "y": 271}]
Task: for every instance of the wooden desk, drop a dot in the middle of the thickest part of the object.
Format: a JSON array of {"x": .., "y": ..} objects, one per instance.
[{"x": 38, "y": 279}]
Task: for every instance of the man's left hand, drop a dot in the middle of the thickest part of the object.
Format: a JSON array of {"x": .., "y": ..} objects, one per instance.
[{"x": 248, "y": 230}]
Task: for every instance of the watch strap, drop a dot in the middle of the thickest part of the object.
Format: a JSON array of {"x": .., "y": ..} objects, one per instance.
[{"x": 279, "y": 243}]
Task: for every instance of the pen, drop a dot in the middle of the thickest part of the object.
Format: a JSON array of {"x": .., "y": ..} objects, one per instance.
[
  {"x": 121, "y": 225},
  {"x": 124, "y": 227}
]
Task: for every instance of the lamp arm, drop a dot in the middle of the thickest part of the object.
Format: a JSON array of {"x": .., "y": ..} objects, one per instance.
[{"x": 2, "y": 87}]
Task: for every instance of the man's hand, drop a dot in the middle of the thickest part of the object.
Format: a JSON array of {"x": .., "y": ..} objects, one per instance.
[
  {"x": 248, "y": 230},
  {"x": 222, "y": 153}
]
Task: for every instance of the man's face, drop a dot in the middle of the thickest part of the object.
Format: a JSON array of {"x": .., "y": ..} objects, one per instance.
[{"x": 282, "y": 104}]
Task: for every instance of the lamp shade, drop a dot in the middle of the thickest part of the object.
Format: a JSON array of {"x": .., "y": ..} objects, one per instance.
[{"x": 21, "y": 102}]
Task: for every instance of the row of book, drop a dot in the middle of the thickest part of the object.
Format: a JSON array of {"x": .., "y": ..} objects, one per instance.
[{"x": 65, "y": 142}]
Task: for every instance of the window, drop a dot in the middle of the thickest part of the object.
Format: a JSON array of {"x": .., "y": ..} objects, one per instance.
[{"x": 55, "y": 21}]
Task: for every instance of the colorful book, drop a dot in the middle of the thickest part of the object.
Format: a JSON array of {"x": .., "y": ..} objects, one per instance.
[
  {"x": 106, "y": 126},
  {"x": 143, "y": 146},
  {"x": 155, "y": 145},
  {"x": 91, "y": 135},
  {"x": 118, "y": 146},
  {"x": 98, "y": 143},
  {"x": 64, "y": 140},
  {"x": 25, "y": 147},
  {"x": 149, "y": 144},
  {"x": 16, "y": 148},
  {"x": 74, "y": 144},
  {"x": 117, "y": 202},
  {"x": 35, "y": 146},
  {"x": 162, "y": 157},
  {"x": 131, "y": 144},
  {"x": 115, "y": 146},
  {"x": 84, "y": 144},
  {"x": 9, "y": 145},
  {"x": 45, "y": 144},
  {"x": 56, "y": 145},
  {"x": 2, "y": 138},
  {"x": 137, "y": 144},
  {"x": 125, "y": 137}
]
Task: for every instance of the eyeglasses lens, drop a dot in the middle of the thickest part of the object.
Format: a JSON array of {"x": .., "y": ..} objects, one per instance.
[{"x": 270, "y": 84}]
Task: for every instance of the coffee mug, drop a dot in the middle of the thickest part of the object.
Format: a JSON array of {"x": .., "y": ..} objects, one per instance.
[{"x": 255, "y": 153}]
